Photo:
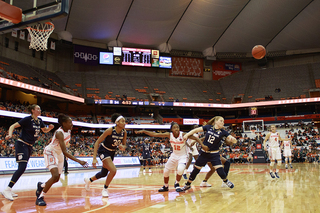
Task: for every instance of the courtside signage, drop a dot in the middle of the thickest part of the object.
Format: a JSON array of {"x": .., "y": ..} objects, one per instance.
[
  {"x": 8, "y": 164},
  {"x": 40, "y": 90},
  {"x": 190, "y": 121}
]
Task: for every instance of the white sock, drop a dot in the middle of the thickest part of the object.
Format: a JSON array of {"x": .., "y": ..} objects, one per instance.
[
  {"x": 8, "y": 188},
  {"x": 42, "y": 194},
  {"x": 277, "y": 170},
  {"x": 43, "y": 185}
]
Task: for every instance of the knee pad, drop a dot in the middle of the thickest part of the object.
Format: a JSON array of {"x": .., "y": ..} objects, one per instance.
[
  {"x": 272, "y": 163},
  {"x": 279, "y": 162},
  {"x": 221, "y": 173},
  {"x": 194, "y": 173},
  {"x": 102, "y": 173},
  {"x": 166, "y": 172},
  {"x": 181, "y": 168}
]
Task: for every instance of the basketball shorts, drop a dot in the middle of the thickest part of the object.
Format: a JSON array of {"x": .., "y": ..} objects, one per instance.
[
  {"x": 23, "y": 152},
  {"x": 146, "y": 156},
  {"x": 104, "y": 154},
  {"x": 204, "y": 158},
  {"x": 274, "y": 153},
  {"x": 52, "y": 159},
  {"x": 175, "y": 160},
  {"x": 194, "y": 151},
  {"x": 287, "y": 152}
]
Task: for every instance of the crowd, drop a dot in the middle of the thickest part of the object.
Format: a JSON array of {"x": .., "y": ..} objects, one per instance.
[
  {"x": 304, "y": 146},
  {"x": 304, "y": 140},
  {"x": 81, "y": 145}
]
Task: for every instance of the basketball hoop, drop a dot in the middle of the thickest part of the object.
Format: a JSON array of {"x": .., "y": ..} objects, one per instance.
[{"x": 39, "y": 35}]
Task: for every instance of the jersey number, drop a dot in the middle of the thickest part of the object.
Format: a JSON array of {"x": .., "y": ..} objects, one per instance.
[
  {"x": 116, "y": 142},
  {"x": 211, "y": 139},
  {"x": 36, "y": 133},
  {"x": 176, "y": 147}
]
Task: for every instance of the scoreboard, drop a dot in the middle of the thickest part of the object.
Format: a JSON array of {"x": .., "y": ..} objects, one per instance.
[{"x": 136, "y": 57}]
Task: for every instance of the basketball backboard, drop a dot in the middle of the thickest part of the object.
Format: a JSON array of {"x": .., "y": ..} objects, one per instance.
[{"x": 35, "y": 11}]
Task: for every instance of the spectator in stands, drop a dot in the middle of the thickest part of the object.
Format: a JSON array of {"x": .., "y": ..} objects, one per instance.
[
  {"x": 250, "y": 157},
  {"x": 31, "y": 126}
]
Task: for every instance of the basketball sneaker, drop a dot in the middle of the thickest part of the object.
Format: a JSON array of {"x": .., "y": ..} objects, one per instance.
[
  {"x": 185, "y": 176},
  {"x": 163, "y": 189},
  {"x": 40, "y": 202},
  {"x": 14, "y": 194},
  {"x": 229, "y": 184},
  {"x": 105, "y": 193},
  {"x": 276, "y": 174},
  {"x": 150, "y": 170},
  {"x": 7, "y": 194},
  {"x": 286, "y": 166},
  {"x": 224, "y": 185},
  {"x": 39, "y": 189},
  {"x": 184, "y": 188},
  {"x": 87, "y": 185},
  {"x": 144, "y": 171},
  {"x": 272, "y": 175},
  {"x": 290, "y": 165},
  {"x": 205, "y": 184}
]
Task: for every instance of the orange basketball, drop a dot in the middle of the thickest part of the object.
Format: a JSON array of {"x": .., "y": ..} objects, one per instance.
[{"x": 258, "y": 51}]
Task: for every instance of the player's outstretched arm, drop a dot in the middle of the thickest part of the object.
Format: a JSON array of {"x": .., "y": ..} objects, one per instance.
[
  {"x": 154, "y": 134},
  {"x": 196, "y": 130},
  {"x": 60, "y": 137}
]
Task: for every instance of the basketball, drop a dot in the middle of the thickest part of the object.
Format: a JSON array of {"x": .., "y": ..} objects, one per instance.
[{"x": 258, "y": 51}]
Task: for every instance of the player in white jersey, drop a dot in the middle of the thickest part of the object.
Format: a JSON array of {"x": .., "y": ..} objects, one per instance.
[
  {"x": 178, "y": 157},
  {"x": 192, "y": 152},
  {"x": 54, "y": 156},
  {"x": 287, "y": 145},
  {"x": 274, "y": 150}
]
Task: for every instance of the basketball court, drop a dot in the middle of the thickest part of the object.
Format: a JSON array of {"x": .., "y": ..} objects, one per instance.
[{"x": 297, "y": 190}]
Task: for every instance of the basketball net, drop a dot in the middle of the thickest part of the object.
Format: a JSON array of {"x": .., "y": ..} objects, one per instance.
[{"x": 39, "y": 35}]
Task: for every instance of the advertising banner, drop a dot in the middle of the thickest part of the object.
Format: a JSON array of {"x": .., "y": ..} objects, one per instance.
[
  {"x": 222, "y": 69},
  {"x": 86, "y": 55},
  {"x": 9, "y": 164}
]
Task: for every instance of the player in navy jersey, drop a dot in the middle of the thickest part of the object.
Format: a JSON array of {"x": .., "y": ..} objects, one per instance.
[
  {"x": 30, "y": 129},
  {"x": 226, "y": 167},
  {"x": 105, "y": 147},
  {"x": 146, "y": 154},
  {"x": 214, "y": 134}
]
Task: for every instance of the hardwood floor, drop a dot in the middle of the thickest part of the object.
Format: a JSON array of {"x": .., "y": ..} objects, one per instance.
[{"x": 297, "y": 190}]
